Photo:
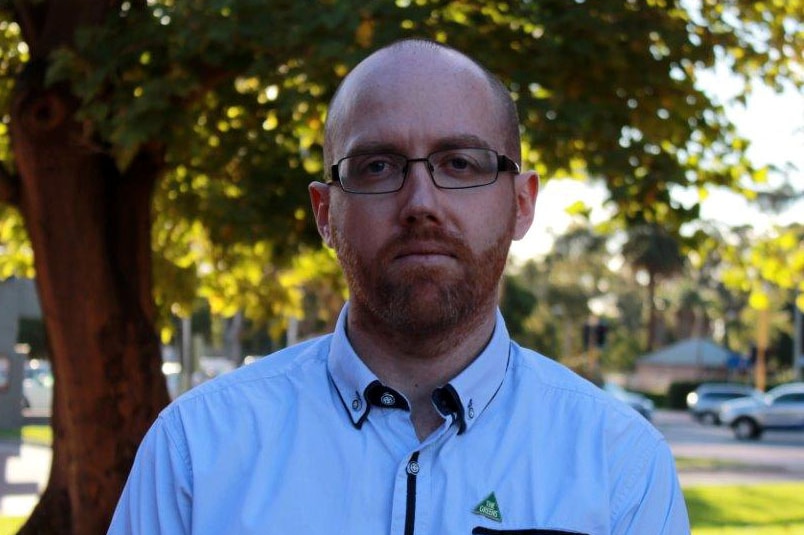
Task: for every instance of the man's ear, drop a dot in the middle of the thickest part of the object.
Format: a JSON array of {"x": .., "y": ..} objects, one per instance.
[
  {"x": 527, "y": 189},
  {"x": 319, "y": 198}
]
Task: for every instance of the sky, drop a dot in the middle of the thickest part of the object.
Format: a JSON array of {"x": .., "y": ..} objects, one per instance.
[{"x": 774, "y": 123}]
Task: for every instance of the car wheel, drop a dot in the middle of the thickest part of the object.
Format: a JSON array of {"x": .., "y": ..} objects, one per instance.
[
  {"x": 709, "y": 418},
  {"x": 746, "y": 429}
]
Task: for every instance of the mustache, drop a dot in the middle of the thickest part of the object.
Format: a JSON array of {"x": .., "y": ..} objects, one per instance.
[{"x": 413, "y": 237}]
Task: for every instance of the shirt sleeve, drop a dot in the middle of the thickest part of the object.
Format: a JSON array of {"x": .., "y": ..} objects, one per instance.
[
  {"x": 157, "y": 498},
  {"x": 655, "y": 503}
]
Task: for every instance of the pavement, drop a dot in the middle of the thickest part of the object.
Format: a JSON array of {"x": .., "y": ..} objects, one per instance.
[{"x": 24, "y": 469}]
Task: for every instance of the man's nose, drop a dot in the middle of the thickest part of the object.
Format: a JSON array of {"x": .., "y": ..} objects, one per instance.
[
  {"x": 426, "y": 168},
  {"x": 420, "y": 195}
]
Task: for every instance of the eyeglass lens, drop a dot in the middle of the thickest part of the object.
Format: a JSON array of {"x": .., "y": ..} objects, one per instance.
[{"x": 450, "y": 169}]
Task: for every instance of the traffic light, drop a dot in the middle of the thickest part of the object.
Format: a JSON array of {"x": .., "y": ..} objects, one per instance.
[
  {"x": 600, "y": 334},
  {"x": 594, "y": 334},
  {"x": 587, "y": 330}
]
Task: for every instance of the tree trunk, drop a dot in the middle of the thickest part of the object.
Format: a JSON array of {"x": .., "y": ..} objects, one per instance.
[{"x": 89, "y": 225}]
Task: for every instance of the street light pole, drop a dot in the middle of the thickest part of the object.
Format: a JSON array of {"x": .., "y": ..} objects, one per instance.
[
  {"x": 760, "y": 369},
  {"x": 798, "y": 332},
  {"x": 187, "y": 358}
]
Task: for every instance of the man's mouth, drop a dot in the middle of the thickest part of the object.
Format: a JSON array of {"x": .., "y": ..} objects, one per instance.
[{"x": 423, "y": 250}]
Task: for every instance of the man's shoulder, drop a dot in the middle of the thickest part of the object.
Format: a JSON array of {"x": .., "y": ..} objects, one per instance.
[
  {"x": 286, "y": 359},
  {"x": 549, "y": 372},
  {"x": 252, "y": 400},
  {"x": 553, "y": 384},
  {"x": 265, "y": 373}
]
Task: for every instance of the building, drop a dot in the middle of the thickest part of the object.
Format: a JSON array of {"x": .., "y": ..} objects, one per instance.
[
  {"x": 18, "y": 299},
  {"x": 693, "y": 359}
]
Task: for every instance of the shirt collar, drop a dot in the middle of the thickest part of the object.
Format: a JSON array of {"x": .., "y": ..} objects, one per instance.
[
  {"x": 464, "y": 398},
  {"x": 473, "y": 389}
]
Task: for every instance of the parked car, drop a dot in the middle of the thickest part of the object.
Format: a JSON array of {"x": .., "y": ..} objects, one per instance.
[
  {"x": 37, "y": 385},
  {"x": 173, "y": 379},
  {"x": 642, "y": 404},
  {"x": 704, "y": 402},
  {"x": 782, "y": 408}
]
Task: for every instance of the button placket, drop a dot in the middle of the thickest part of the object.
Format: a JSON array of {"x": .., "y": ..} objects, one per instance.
[{"x": 413, "y": 468}]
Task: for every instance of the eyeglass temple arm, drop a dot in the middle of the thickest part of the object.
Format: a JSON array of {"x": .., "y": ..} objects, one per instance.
[{"x": 504, "y": 163}]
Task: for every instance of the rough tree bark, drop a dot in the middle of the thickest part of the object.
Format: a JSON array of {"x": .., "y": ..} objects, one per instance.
[{"x": 89, "y": 225}]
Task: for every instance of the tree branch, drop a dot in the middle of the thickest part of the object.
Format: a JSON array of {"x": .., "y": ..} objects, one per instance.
[{"x": 30, "y": 16}]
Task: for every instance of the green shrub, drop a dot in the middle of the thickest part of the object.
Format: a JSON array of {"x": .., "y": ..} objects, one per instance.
[{"x": 677, "y": 394}]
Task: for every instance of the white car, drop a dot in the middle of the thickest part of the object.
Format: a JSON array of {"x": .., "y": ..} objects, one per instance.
[
  {"x": 37, "y": 386},
  {"x": 781, "y": 409}
]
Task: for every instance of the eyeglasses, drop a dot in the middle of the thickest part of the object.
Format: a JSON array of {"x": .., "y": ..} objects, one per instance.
[{"x": 449, "y": 169}]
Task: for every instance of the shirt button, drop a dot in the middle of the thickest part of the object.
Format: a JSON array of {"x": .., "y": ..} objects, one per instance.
[
  {"x": 413, "y": 468},
  {"x": 356, "y": 404},
  {"x": 387, "y": 399}
]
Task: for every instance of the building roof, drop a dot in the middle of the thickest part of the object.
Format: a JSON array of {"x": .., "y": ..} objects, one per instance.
[{"x": 689, "y": 352}]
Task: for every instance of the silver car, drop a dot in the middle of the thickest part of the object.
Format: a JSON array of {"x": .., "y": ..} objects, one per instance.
[
  {"x": 782, "y": 408},
  {"x": 37, "y": 386},
  {"x": 704, "y": 402}
]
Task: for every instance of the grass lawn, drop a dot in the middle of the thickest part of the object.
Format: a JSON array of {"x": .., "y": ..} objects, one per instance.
[
  {"x": 705, "y": 463},
  {"x": 10, "y": 525},
  {"x": 31, "y": 434},
  {"x": 772, "y": 509}
]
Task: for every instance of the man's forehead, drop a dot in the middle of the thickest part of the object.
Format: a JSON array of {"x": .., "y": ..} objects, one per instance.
[
  {"x": 435, "y": 87},
  {"x": 393, "y": 68},
  {"x": 395, "y": 65}
]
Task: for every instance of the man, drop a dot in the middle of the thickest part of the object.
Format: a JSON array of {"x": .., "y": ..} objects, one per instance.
[{"x": 418, "y": 415}]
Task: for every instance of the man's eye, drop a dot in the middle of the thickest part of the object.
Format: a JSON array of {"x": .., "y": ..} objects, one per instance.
[
  {"x": 376, "y": 166},
  {"x": 458, "y": 163}
]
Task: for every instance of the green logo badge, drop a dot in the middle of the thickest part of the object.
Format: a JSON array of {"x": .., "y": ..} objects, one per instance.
[{"x": 489, "y": 508}]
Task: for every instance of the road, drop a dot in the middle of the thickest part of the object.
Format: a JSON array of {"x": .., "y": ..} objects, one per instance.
[{"x": 777, "y": 457}]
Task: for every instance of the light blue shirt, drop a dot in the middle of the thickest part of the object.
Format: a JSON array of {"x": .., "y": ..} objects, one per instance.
[{"x": 307, "y": 441}]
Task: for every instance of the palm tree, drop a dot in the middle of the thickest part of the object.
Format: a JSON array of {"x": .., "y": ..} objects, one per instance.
[{"x": 650, "y": 248}]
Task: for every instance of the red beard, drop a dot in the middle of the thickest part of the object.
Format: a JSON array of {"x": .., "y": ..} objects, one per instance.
[{"x": 424, "y": 298}]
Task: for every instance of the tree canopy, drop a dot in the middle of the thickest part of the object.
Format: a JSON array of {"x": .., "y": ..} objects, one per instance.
[{"x": 236, "y": 93}]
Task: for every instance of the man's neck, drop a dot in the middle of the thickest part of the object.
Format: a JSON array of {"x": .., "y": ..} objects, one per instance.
[{"x": 414, "y": 364}]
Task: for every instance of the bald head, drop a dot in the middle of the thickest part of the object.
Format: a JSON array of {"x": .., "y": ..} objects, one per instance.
[{"x": 387, "y": 73}]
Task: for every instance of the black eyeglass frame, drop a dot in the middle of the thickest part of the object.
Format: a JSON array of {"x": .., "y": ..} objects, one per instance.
[{"x": 504, "y": 165}]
